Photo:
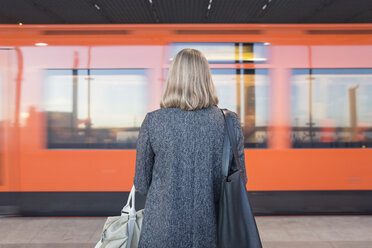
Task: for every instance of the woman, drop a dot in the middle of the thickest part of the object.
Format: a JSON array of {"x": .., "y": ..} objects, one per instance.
[{"x": 179, "y": 158}]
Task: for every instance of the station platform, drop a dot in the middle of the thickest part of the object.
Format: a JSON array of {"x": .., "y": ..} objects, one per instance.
[{"x": 276, "y": 232}]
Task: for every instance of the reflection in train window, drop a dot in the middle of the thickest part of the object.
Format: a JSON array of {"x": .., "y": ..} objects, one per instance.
[
  {"x": 94, "y": 108},
  {"x": 331, "y": 108},
  {"x": 237, "y": 52},
  {"x": 246, "y": 92}
]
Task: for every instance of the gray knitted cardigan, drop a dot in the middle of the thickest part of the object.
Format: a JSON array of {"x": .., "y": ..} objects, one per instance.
[{"x": 178, "y": 168}]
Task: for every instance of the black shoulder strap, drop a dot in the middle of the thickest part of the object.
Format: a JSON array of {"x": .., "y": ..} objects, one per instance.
[
  {"x": 226, "y": 150},
  {"x": 229, "y": 127}
]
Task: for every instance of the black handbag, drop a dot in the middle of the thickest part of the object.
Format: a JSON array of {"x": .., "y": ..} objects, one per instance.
[{"x": 236, "y": 224}]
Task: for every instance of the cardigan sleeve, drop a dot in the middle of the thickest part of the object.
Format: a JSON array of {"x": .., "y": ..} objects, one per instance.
[
  {"x": 240, "y": 145},
  {"x": 144, "y": 159}
]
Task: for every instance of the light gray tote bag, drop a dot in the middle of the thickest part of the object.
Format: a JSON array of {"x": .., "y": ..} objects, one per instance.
[{"x": 123, "y": 231}]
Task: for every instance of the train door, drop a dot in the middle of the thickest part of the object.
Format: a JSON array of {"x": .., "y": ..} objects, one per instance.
[
  {"x": 3, "y": 62},
  {"x": 4, "y": 121},
  {"x": 9, "y": 174}
]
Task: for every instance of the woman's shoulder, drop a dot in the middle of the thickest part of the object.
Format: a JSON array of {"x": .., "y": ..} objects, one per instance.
[
  {"x": 165, "y": 113},
  {"x": 235, "y": 118},
  {"x": 178, "y": 110},
  {"x": 159, "y": 112},
  {"x": 233, "y": 114}
]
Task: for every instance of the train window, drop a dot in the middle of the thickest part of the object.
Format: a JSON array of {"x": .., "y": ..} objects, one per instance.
[
  {"x": 331, "y": 108},
  {"x": 94, "y": 108},
  {"x": 237, "y": 52},
  {"x": 246, "y": 92}
]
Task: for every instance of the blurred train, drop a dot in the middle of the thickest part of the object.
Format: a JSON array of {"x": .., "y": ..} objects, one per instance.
[{"x": 73, "y": 98}]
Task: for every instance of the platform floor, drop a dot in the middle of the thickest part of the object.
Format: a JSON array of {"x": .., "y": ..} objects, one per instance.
[{"x": 276, "y": 232}]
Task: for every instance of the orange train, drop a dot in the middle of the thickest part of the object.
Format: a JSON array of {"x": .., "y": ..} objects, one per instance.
[{"x": 73, "y": 98}]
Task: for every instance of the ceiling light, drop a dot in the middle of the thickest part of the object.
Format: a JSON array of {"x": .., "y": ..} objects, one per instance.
[
  {"x": 41, "y": 44},
  {"x": 264, "y": 7},
  {"x": 20, "y": 23},
  {"x": 210, "y": 4},
  {"x": 97, "y": 7}
]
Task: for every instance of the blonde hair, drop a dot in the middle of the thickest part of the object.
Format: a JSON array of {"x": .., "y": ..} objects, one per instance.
[{"x": 189, "y": 84}]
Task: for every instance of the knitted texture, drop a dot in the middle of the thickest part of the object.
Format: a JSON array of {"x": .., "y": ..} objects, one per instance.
[{"x": 178, "y": 168}]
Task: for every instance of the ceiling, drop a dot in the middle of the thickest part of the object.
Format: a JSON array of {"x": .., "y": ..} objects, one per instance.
[{"x": 184, "y": 11}]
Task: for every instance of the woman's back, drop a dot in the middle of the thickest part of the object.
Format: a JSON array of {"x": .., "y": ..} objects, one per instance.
[{"x": 178, "y": 166}]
